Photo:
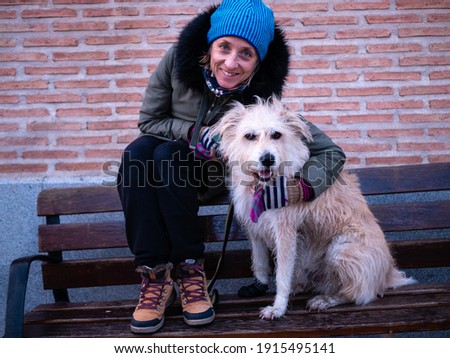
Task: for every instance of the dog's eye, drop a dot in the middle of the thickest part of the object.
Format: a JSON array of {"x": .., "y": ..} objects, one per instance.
[
  {"x": 250, "y": 136},
  {"x": 276, "y": 135}
]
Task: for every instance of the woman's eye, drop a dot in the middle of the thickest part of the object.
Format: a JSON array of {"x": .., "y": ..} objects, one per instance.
[
  {"x": 250, "y": 136},
  {"x": 276, "y": 135}
]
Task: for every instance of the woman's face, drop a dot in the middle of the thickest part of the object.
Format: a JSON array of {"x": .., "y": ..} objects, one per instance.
[{"x": 232, "y": 61}]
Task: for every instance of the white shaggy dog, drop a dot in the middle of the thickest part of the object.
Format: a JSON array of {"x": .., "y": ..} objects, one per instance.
[{"x": 332, "y": 245}]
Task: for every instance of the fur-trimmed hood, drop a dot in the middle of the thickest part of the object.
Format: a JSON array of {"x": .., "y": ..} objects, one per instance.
[{"x": 192, "y": 46}]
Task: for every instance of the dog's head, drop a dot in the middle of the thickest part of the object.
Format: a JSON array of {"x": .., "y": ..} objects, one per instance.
[{"x": 264, "y": 139}]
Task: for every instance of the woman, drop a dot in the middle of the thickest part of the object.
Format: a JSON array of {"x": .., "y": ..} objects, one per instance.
[{"x": 231, "y": 52}]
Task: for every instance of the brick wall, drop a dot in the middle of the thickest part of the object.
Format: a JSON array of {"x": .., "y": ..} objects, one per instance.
[{"x": 373, "y": 74}]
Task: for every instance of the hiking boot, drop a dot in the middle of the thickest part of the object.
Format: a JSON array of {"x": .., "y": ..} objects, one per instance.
[
  {"x": 157, "y": 293},
  {"x": 197, "y": 306}
]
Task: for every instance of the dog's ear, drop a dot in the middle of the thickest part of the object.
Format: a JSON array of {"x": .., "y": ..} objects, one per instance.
[{"x": 226, "y": 127}]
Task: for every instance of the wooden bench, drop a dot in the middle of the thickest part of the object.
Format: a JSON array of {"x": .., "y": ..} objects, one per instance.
[{"x": 424, "y": 306}]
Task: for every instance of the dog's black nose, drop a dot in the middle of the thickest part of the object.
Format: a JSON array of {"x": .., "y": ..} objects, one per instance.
[{"x": 267, "y": 160}]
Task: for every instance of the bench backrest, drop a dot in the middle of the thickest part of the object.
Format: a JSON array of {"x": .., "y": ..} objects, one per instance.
[{"x": 56, "y": 238}]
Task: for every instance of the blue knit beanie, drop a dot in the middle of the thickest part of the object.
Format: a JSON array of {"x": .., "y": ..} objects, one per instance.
[{"x": 250, "y": 20}]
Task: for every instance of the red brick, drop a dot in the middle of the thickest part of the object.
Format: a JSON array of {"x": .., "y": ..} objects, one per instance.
[
  {"x": 53, "y": 126},
  {"x": 392, "y": 76},
  {"x": 442, "y": 46},
  {"x": 81, "y": 26},
  {"x": 132, "y": 82},
  {"x": 8, "y": 71},
  {"x": 438, "y": 17},
  {"x": 308, "y": 92},
  {"x": 329, "y": 20},
  {"x": 444, "y": 158},
  {"x": 420, "y": 4},
  {"x": 439, "y": 132},
  {"x": 375, "y": 105},
  {"x": 27, "y": 14},
  {"x": 403, "y": 47},
  {"x": 380, "y": 5},
  {"x": 60, "y": 70},
  {"x": 331, "y": 106},
  {"x": 299, "y": 7},
  {"x": 114, "y": 97},
  {"x": 49, "y": 154},
  {"x": 8, "y": 14},
  {"x": 127, "y": 138},
  {"x": 440, "y": 75},
  {"x": 123, "y": 54},
  {"x": 50, "y": 42},
  {"x": 425, "y": 146},
  {"x": 85, "y": 140},
  {"x": 309, "y": 64},
  {"x": 83, "y": 112},
  {"x": 421, "y": 90},
  {"x": 9, "y": 127},
  {"x": 171, "y": 10},
  {"x": 158, "y": 39},
  {"x": 23, "y": 141},
  {"x": 141, "y": 24},
  {"x": 386, "y": 133},
  {"x": 366, "y": 91},
  {"x": 440, "y": 103},
  {"x": 113, "y": 40},
  {"x": 365, "y": 118},
  {"x": 401, "y": 18},
  {"x": 113, "y": 12},
  {"x": 329, "y": 49},
  {"x": 330, "y": 77},
  {"x": 23, "y": 57},
  {"x": 343, "y": 133},
  {"x": 22, "y": 27},
  {"x": 8, "y": 155},
  {"x": 366, "y": 147},
  {"x": 23, "y": 168},
  {"x": 82, "y": 84},
  {"x": 84, "y": 166},
  {"x": 24, "y": 113},
  {"x": 53, "y": 98},
  {"x": 105, "y": 125},
  {"x": 423, "y": 31},
  {"x": 320, "y": 119},
  {"x": 80, "y": 56},
  {"x": 302, "y": 35},
  {"x": 104, "y": 153},
  {"x": 364, "y": 33},
  {"x": 425, "y": 61},
  {"x": 23, "y": 85},
  {"x": 397, "y": 160},
  {"x": 425, "y": 117},
  {"x": 364, "y": 62},
  {"x": 113, "y": 69},
  {"x": 9, "y": 99},
  {"x": 5, "y": 42},
  {"x": 128, "y": 110}
]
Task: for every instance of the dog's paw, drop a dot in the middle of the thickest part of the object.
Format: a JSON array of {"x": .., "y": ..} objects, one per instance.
[
  {"x": 322, "y": 302},
  {"x": 271, "y": 312}
]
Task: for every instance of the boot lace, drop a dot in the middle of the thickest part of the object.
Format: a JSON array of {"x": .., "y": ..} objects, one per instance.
[
  {"x": 153, "y": 293},
  {"x": 192, "y": 283}
]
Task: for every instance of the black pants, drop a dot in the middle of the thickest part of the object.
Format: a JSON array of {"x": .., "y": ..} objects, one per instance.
[{"x": 158, "y": 185}]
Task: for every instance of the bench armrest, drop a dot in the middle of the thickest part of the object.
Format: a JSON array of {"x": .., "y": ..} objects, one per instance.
[{"x": 17, "y": 285}]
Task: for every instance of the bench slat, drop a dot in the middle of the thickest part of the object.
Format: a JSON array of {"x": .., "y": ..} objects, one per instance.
[
  {"x": 78, "y": 236},
  {"x": 404, "y": 179},
  {"x": 237, "y": 263},
  {"x": 430, "y": 310}
]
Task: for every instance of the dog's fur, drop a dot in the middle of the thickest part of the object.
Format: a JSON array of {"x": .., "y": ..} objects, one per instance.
[{"x": 332, "y": 245}]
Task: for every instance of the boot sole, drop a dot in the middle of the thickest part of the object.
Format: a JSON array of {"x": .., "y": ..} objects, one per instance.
[
  {"x": 199, "y": 322},
  {"x": 153, "y": 329}
]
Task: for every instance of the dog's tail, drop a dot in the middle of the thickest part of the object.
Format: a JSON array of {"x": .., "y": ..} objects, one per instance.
[{"x": 398, "y": 278}]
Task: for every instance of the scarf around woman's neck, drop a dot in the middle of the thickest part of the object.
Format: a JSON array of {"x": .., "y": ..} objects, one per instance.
[{"x": 214, "y": 86}]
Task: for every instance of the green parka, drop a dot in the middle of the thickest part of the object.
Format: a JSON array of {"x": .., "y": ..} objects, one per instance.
[{"x": 177, "y": 97}]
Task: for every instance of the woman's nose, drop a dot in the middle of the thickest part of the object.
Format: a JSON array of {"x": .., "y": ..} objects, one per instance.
[{"x": 231, "y": 61}]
